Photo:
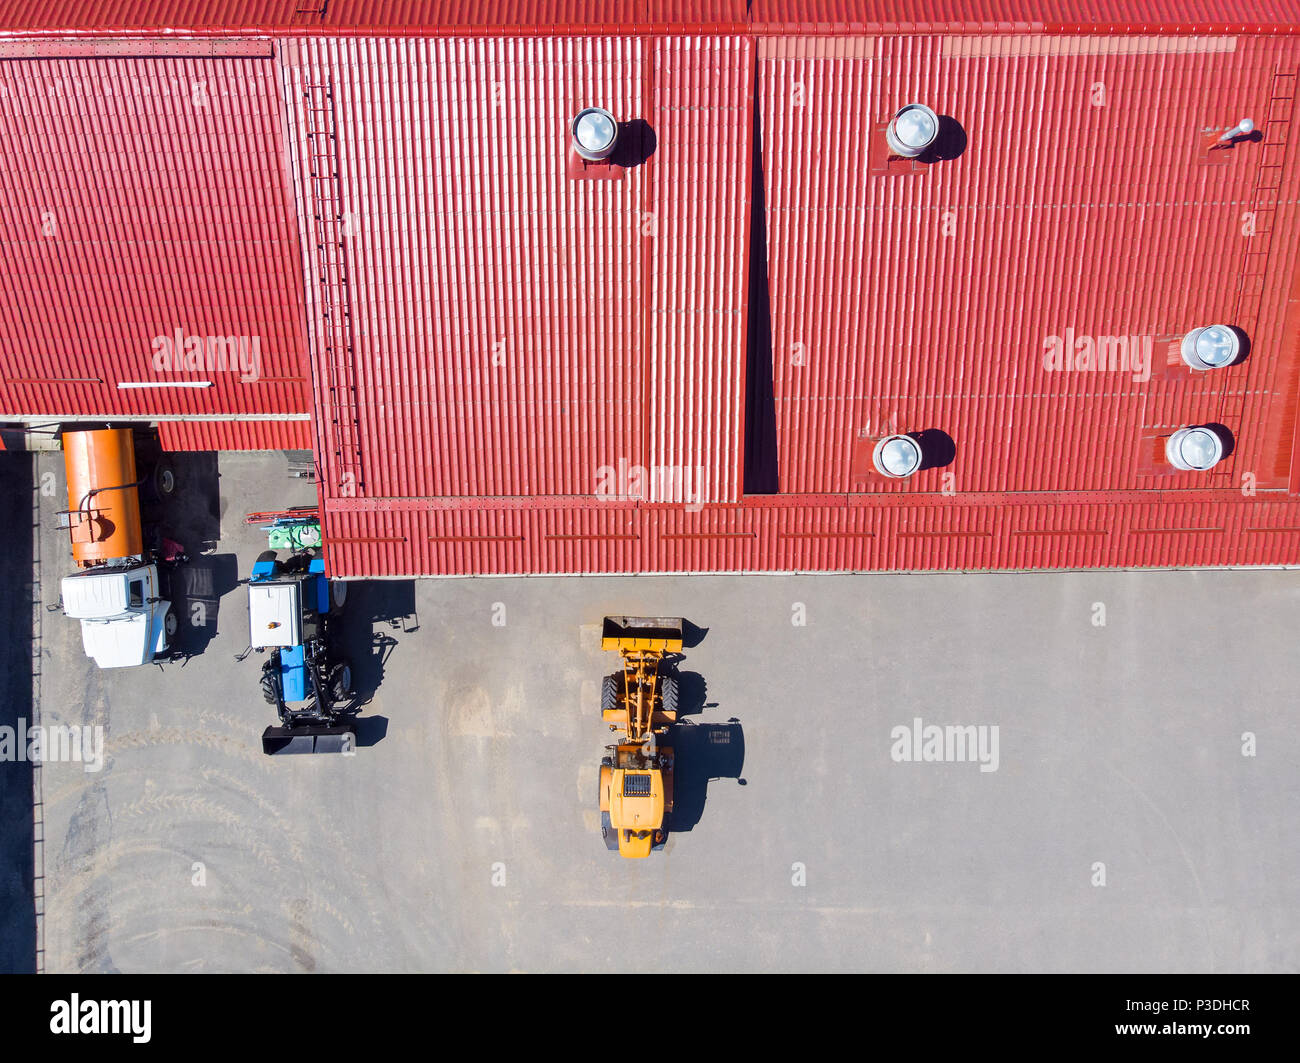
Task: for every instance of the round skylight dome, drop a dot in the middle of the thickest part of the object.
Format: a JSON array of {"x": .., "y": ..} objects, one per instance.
[
  {"x": 594, "y": 132},
  {"x": 897, "y": 456},
  {"x": 912, "y": 130},
  {"x": 1194, "y": 449},
  {"x": 1211, "y": 347}
]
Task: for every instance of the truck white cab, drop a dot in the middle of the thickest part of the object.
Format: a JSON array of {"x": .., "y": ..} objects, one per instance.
[{"x": 125, "y": 620}]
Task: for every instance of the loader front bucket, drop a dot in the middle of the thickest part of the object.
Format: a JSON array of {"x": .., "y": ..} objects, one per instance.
[
  {"x": 310, "y": 738},
  {"x": 661, "y": 633}
]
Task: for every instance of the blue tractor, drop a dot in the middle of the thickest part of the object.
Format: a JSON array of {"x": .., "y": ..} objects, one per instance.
[{"x": 293, "y": 611}]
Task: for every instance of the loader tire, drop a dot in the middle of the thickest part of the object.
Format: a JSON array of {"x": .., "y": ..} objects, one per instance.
[
  {"x": 669, "y": 692},
  {"x": 610, "y": 689},
  {"x": 608, "y": 832},
  {"x": 268, "y": 686},
  {"x": 266, "y": 555}
]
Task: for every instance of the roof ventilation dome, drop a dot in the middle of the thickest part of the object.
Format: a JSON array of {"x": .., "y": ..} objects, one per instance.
[
  {"x": 1194, "y": 449},
  {"x": 912, "y": 130},
  {"x": 1242, "y": 129},
  {"x": 595, "y": 132},
  {"x": 897, "y": 457},
  {"x": 1211, "y": 347}
]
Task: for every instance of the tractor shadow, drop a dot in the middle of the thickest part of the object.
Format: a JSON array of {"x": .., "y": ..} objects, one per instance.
[
  {"x": 703, "y": 752},
  {"x": 197, "y": 588},
  {"x": 376, "y": 613}
]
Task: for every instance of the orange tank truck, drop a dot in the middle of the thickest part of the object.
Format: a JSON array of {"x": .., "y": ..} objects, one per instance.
[
  {"x": 103, "y": 496},
  {"x": 118, "y": 592}
]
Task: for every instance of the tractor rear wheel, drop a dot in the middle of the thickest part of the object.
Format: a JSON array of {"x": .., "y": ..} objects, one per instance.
[
  {"x": 341, "y": 680},
  {"x": 338, "y": 596},
  {"x": 269, "y": 691}
]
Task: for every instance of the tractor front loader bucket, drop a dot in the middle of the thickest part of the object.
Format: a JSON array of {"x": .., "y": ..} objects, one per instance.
[
  {"x": 656, "y": 634},
  {"x": 309, "y": 738}
]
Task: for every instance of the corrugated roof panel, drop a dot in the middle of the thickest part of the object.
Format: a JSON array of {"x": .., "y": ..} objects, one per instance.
[
  {"x": 486, "y": 540},
  {"x": 481, "y": 320},
  {"x": 376, "y": 17},
  {"x": 235, "y": 435},
  {"x": 493, "y": 303},
  {"x": 146, "y": 218},
  {"x": 932, "y": 298},
  {"x": 808, "y": 534},
  {"x": 702, "y": 115},
  {"x": 639, "y": 16},
  {"x": 957, "y": 16}
]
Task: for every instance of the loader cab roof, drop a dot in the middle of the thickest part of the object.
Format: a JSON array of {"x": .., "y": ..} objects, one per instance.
[{"x": 636, "y": 808}]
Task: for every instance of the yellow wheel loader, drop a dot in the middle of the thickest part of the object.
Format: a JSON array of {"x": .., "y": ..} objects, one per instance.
[{"x": 636, "y": 775}]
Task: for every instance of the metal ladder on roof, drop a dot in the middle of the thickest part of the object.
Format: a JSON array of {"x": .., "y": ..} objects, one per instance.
[
  {"x": 332, "y": 274},
  {"x": 1263, "y": 206},
  {"x": 308, "y": 14},
  {"x": 1264, "y": 197}
]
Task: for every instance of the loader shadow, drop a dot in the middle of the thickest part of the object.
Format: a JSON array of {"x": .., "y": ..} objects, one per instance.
[
  {"x": 692, "y": 690},
  {"x": 692, "y": 634},
  {"x": 375, "y": 613},
  {"x": 703, "y": 752},
  {"x": 197, "y": 588}
]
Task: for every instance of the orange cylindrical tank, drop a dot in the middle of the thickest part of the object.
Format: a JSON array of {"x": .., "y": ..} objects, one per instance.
[{"x": 106, "y": 524}]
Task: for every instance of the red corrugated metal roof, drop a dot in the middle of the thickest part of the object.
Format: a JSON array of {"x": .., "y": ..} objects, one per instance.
[
  {"x": 606, "y": 17},
  {"x": 143, "y": 196},
  {"x": 840, "y": 17},
  {"x": 235, "y": 435},
  {"x": 814, "y": 534},
  {"x": 926, "y": 300},
  {"x": 483, "y": 326},
  {"x": 696, "y": 257},
  {"x": 493, "y": 327},
  {"x": 445, "y": 17}
]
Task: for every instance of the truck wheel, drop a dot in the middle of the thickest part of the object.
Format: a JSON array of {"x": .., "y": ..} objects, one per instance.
[
  {"x": 164, "y": 480},
  {"x": 338, "y": 595},
  {"x": 608, "y": 832},
  {"x": 668, "y": 691},
  {"x": 268, "y": 686},
  {"x": 610, "y": 689},
  {"x": 170, "y": 624}
]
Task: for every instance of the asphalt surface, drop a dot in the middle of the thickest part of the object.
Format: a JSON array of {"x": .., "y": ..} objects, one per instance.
[{"x": 464, "y": 836}]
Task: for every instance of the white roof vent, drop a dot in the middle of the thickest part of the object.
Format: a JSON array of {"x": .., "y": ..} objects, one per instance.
[
  {"x": 897, "y": 457},
  {"x": 595, "y": 132},
  {"x": 1194, "y": 449},
  {"x": 1242, "y": 129},
  {"x": 914, "y": 129},
  {"x": 1211, "y": 347}
]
